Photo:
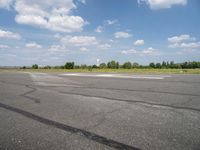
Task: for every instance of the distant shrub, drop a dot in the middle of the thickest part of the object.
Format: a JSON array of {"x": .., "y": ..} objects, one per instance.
[
  {"x": 69, "y": 65},
  {"x": 35, "y": 66}
]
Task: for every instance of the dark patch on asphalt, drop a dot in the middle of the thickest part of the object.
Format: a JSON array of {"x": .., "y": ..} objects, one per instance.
[{"x": 89, "y": 135}]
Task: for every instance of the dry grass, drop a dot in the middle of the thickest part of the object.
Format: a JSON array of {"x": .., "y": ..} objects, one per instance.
[{"x": 136, "y": 71}]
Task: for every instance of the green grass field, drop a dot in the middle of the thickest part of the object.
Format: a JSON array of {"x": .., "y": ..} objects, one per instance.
[{"x": 134, "y": 71}]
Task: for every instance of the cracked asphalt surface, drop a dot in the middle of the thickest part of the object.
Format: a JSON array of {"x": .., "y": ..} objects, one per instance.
[{"x": 52, "y": 111}]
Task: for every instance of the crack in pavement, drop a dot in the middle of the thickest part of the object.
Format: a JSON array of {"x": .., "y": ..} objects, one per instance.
[
  {"x": 114, "y": 89},
  {"x": 131, "y": 90},
  {"x": 32, "y": 90},
  {"x": 133, "y": 101},
  {"x": 108, "y": 98},
  {"x": 103, "y": 119},
  {"x": 29, "y": 92},
  {"x": 89, "y": 135}
]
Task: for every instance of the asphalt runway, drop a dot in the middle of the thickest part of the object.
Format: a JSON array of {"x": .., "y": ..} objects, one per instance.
[{"x": 59, "y": 111}]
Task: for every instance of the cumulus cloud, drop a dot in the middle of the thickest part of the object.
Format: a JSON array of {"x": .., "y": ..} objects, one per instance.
[
  {"x": 5, "y": 3},
  {"x": 84, "y": 49},
  {"x": 3, "y": 46},
  {"x": 33, "y": 45},
  {"x": 57, "y": 36},
  {"x": 111, "y": 22},
  {"x": 82, "y": 1},
  {"x": 139, "y": 42},
  {"x": 9, "y": 35},
  {"x": 145, "y": 52},
  {"x": 104, "y": 46},
  {"x": 99, "y": 29},
  {"x": 122, "y": 35},
  {"x": 57, "y": 48},
  {"x": 191, "y": 45},
  {"x": 79, "y": 40},
  {"x": 188, "y": 51},
  {"x": 183, "y": 41},
  {"x": 181, "y": 38},
  {"x": 48, "y": 14},
  {"x": 162, "y": 4}
]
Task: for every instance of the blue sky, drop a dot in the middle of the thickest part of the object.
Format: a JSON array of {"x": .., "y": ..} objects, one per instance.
[{"x": 51, "y": 32}]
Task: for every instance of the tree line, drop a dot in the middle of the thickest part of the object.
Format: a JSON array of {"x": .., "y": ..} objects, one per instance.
[{"x": 126, "y": 65}]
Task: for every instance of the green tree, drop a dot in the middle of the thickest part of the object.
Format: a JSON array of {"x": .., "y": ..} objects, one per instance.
[
  {"x": 158, "y": 65},
  {"x": 113, "y": 64},
  {"x": 152, "y": 65},
  {"x": 83, "y": 66},
  {"x": 102, "y": 65},
  {"x": 117, "y": 65},
  {"x": 135, "y": 65},
  {"x": 127, "y": 65},
  {"x": 94, "y": 66},
  {"x": 164, "y": 64},
  {"x": 171, "y": 65},
  {"x": 35, "y": 66},
  {"x": 69, "y": 65}
]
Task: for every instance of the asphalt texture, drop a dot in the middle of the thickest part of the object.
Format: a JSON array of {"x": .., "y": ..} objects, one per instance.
[{"x": 56, "y": 111}]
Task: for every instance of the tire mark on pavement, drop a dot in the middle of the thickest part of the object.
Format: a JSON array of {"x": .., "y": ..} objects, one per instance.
[{"x": 89, "y": 135}]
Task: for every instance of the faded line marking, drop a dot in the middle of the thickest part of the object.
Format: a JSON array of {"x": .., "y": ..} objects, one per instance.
[{"x": 116, "y": 76}]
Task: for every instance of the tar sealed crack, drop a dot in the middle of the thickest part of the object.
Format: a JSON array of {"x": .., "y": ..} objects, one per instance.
[{"x": 32, "y": 90}]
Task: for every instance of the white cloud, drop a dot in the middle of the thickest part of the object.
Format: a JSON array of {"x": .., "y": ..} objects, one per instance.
[
  {"x": 9, "y": 35},
  {"x": 99, "y": 29},
  {"x": 122, "y": 35},
  {"x": 84, "y": 49},
  {"x": 191, "y": 45},
  {"x": 111, "y": 22},
  {"x": 33, "y": 45},
  {"x": 79, "y": 40},
  {"x": 57, "y": 48},
  {"x": 184, "y": 42},
  {"x": 104, "y": 46},
  {"x": 139, "y": 42},
  {"x": 4, "y": 46},
  {"x": 49, "y": 14},
  {"x": 181, "y": 38},
  {"x": 5, "y": 3},
  {"x": 57, "y": 36},
  {"x": 188, "y": 52},
  {"x": 162, "y": 4},
  {"x": 146, "y": 52},
  {"x": 82, "y": 1}
]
